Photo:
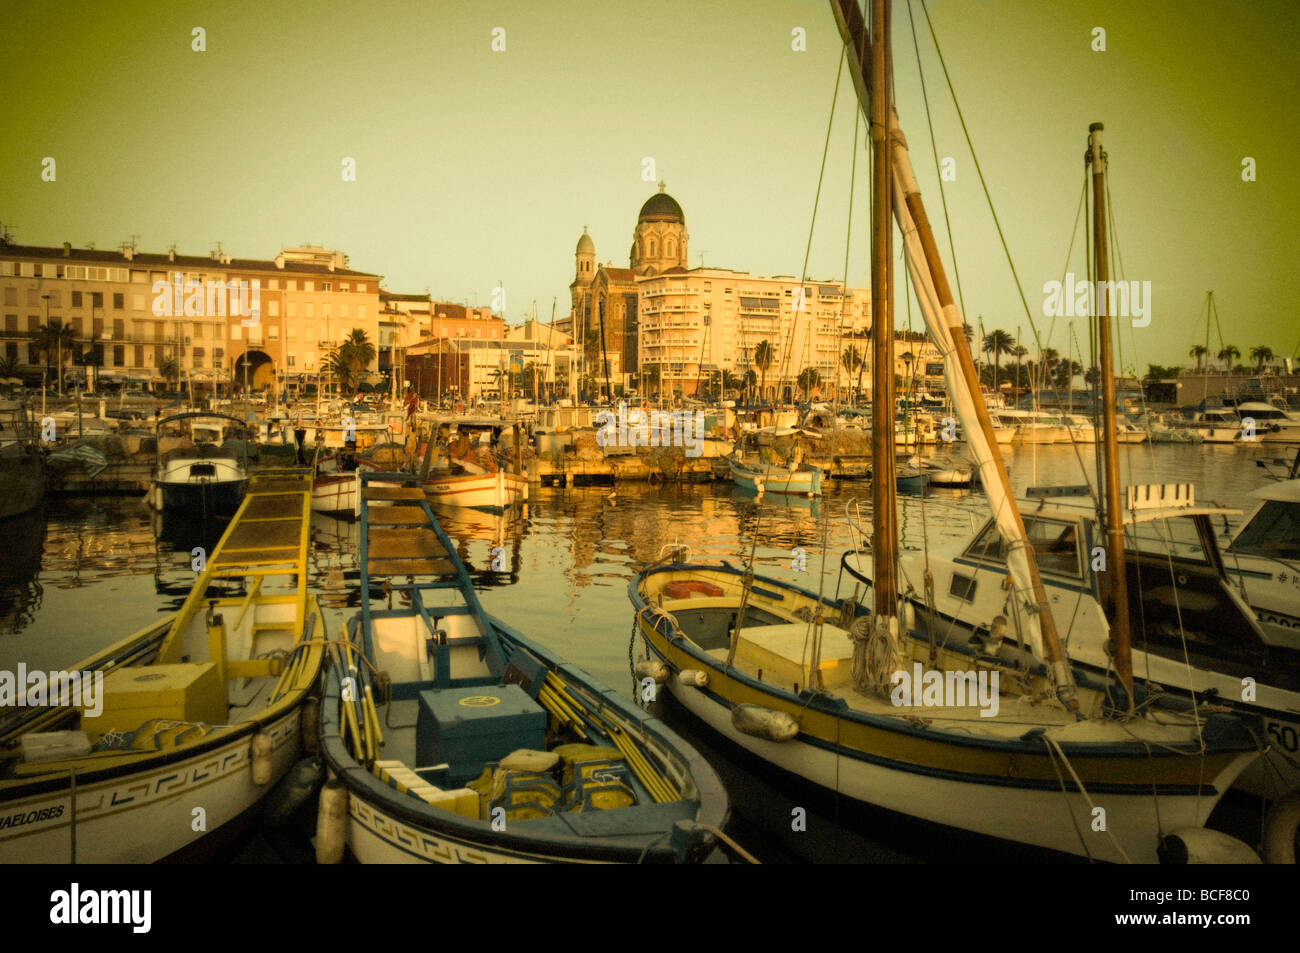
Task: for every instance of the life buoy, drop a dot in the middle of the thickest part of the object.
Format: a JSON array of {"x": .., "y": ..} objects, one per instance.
[{"x": 685, "y": 589}]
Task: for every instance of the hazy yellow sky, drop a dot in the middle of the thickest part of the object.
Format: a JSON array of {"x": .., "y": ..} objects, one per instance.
[{"x": 475, "y": 166}]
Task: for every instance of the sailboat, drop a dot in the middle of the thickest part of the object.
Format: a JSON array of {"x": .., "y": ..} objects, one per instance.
[{"x": 848, "y": 696}]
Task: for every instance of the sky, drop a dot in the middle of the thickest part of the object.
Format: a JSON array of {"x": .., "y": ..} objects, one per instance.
[{"x": 477, "y": 167}]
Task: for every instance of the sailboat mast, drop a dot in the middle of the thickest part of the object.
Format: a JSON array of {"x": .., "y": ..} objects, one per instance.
[
  {"x": 883, "y": 541},
  {"x": 1120, "y": 639},
  {"x": 850, "y": 21}
]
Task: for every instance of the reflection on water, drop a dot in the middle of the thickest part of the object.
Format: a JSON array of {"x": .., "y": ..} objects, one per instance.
[{"x": 83, "y": 573}]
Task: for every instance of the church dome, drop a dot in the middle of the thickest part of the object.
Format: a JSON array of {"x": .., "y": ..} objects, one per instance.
[
  {"x": 585, "y": 245},
  {"x": 662, "y": 207}
]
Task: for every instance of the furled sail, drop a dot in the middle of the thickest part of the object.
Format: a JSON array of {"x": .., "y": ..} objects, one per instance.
[{"x": 944, "y": 323}]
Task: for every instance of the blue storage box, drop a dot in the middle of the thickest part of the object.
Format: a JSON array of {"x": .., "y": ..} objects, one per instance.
[{"x": 468, "y": 727}]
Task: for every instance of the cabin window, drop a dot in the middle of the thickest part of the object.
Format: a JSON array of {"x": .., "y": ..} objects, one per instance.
[
  {"x": 963, "y": 587},
  {"x": 1273, "y": 533},
  {"x": 1055, "y": 543}
]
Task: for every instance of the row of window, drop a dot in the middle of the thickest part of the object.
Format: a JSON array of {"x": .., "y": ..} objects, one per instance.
[{"x": 28, "y": 269}]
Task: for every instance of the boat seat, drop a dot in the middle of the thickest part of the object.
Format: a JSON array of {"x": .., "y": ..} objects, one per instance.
[{"x": 462, "y": 801}]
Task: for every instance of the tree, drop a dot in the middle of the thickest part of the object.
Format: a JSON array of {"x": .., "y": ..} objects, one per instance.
[
  {"x": 808, "y": 380},
  {"x": 851, "y": 360},
  {"x": 751, "y": 381},
  {"x": 9, "y": 367},
  {"x": 169, "y": 370},
  {"x": 530, "y": 378},
  {"x": 997, "y": 343},
  {"x": 348, "y": 361},
  {"x": 1093, "y": 376},
  {"x": 1200, "y": 352},
  {"x": 1228, "y": 354},
  {"x": 730, "y": 382},
  {"x": 55, "y": 340},
  {"x": 764, "y": 357},
  {"x": 1066, "y": 372},
  {"x": 1157, "y": 372},
  {"x": 1261, "y": 354}
]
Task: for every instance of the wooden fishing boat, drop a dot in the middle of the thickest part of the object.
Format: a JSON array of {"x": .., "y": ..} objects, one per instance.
[
  {"x": 175, "y": 734},
  {"x": 22, "y": 467},
  {"x": 338, "y": 493},
  {"x": 491, "y": 491},
  {"x": 780, "y": 684},
  {"x": 455, "y": 739},
  {"x": 802, "y": 479}
]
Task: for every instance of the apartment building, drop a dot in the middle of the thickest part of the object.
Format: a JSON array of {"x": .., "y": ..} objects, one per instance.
[
  {"x": 136, "y": 315},
  {"x": 695, "y": 325}
]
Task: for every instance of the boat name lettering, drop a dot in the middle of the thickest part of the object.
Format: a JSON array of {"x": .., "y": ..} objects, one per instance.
[{"x": 31, "y": 817}]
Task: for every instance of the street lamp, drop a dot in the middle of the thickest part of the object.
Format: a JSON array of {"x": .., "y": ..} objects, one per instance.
[{"x": 58, "y": 371}]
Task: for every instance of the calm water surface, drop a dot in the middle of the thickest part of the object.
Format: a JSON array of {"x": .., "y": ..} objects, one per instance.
[{"x": 83, "y": 573}]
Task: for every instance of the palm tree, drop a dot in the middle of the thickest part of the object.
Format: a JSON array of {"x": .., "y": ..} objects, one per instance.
[
  {"x": 851, "y": 360},
  {"x": 730, "y": 382},
  {"x": 9, "y": 367},
  {"x": 1093, "y": 376},
  {"x": 807, "y": 380},
  {"x": 751, "y": 380},
  {"x": 1261, "y": 354},
  {"x": 1065, "y": 373},
  {"x": 1228, "y": 354},
  {"x": 1199, "y": 352},
  {"x": 997, "y": 343},
  {"x": 349, "y": 360},
  {"x": 56, "y": 338},
  {"x": 764, "y": 357}
]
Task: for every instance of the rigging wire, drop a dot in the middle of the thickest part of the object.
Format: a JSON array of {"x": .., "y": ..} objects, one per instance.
[{"x": 803, "y": 275}]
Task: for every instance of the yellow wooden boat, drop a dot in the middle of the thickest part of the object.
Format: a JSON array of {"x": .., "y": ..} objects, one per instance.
[{"x": 163, "y": 745}]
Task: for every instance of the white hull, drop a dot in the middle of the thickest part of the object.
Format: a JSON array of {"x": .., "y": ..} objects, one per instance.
[
  {"x": 493, "y": 491},
  {"x": 1041, "y": 818},
  {"x": 143, "y": 817}
]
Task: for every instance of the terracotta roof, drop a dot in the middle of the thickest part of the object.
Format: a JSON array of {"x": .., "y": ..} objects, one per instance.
[{"x": 146, "y": 259}]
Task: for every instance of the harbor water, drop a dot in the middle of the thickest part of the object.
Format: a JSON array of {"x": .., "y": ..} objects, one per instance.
[{"x": 81, "y": 573}]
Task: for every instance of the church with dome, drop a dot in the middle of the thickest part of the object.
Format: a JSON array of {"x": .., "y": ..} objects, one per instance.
[
  {"x": 603, "y": 293},
  {"x": 673, "y": 331}
]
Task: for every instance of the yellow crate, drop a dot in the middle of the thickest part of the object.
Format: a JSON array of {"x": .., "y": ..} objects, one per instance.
[{"x": 190, "y": 691}]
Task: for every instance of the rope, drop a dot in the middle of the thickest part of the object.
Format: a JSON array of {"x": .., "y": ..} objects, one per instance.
[{"x": 1053, "y": 744}]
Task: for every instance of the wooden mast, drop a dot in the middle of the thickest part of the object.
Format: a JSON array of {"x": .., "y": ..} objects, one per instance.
[
  {"x": 1120, "y": 639},
  {"x": 883, "y": 540},
  {"x": 852, "y": 30}
]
